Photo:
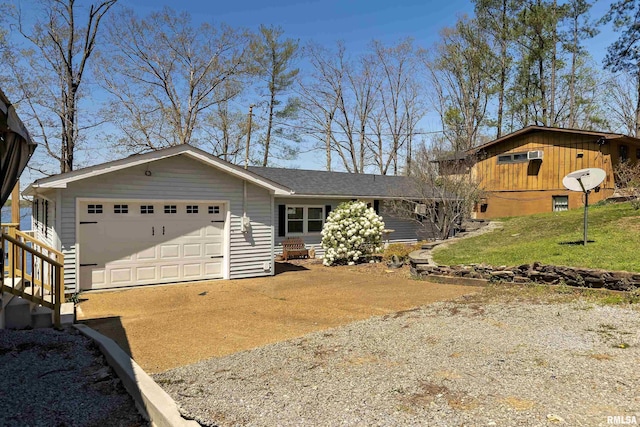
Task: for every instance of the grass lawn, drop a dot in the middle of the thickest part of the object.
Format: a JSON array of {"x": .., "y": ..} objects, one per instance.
[{"x": 555, "y": 238}]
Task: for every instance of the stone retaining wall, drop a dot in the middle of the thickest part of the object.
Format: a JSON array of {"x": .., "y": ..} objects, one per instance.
[{"x": 536, "y": 272}]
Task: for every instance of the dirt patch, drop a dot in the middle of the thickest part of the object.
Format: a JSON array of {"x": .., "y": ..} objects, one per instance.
[{"x": 163, "y": 327}]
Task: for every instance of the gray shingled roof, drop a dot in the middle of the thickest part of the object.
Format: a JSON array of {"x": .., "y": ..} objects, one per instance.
[{"x": 324, "y": 183}]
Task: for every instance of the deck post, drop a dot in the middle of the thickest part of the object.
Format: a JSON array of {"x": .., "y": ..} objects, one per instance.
[
  {"x": 15, "y": 205},
  {"x": 59, "y": 296}
]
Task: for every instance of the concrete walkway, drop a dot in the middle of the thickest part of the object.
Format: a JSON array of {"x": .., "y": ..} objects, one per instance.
[{"x": 163, "y": 327}]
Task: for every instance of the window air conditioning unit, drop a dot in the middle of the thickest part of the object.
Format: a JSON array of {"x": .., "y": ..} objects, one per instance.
[
  {"x": 535, "y": 155},
  {"x": 420, "y": 209}
]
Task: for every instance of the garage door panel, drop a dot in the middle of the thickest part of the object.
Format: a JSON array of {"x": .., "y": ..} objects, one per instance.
[
  {"x": 126, "y": 259},
  {"x": 194, "y": 233},
  {"x": 170, "y": 272},
  {"x": 213, "y": 269},
  {"x": 169, "y": 251},
  {"x": 148, "y": 254},
  {"x": 192, "y": 250},
  {"x": 120, "y": 275},
  {"x": 214, "y": 231},
  {"x": 146, "y": 273},
  {"x": 98, "y": 276},
  {"x": 124, "y": 248},
  {"x": 212, "y": 249},
  {"x": 192, "y": 270}
]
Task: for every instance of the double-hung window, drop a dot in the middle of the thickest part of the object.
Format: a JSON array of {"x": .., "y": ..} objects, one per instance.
[{"x": 304, "y": 219}]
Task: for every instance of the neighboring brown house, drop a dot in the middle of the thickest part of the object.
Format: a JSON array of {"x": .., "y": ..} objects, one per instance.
[{"x": 522, "y": 172}]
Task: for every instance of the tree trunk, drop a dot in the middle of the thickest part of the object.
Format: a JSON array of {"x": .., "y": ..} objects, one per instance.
[
  {"x": 503, "y": 67},
  {"x": 543, "y": 92},
  {"x": 572, "y": 75},
  {"x": 637, "y": 135},
  {"x": 267, "y": 139},
  {"x": 328, "y": 143},
  {"x": 554, "y": 65}
]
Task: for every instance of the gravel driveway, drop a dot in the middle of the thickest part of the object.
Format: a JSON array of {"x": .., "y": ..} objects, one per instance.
[
  {"x": 447, "y": 364},
  {"x": 60, "y": 378}
]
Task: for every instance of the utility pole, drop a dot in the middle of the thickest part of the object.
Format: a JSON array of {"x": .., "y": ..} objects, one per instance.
[{"x": 246, "y": 154}]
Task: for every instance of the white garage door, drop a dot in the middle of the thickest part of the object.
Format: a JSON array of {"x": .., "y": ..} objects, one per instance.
[{"x": 125, "y": 243}]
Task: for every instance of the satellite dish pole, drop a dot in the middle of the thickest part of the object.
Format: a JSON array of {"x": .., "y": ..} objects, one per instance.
[
  {"x": 586, "y": 210},
  {"x": 587, "y": 179}
]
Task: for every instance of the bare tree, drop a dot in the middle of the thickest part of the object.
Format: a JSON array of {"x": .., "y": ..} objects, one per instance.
[
  {"x": 398, "y": 67},
  {"x": 621, "y": 103},
  {"x": 339, "y": 97},
  {"x": 460, "y": 70},
  {"x": 48, "y": 64},
  {"x": 628, "y": 182},
  {"x": 225, "y": 130},
  {"x": 164, "y": 75},
  {"x": 445, "y": 192}
]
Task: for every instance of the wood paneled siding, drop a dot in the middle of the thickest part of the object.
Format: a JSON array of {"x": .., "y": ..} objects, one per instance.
[
  {"x": 405, "y": 230},
  {"x": 528, "y": 187},
  {"x": 179, "y": 178}
]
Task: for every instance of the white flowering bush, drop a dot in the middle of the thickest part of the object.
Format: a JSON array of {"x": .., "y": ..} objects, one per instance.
[{"x": 351, "y": 232}]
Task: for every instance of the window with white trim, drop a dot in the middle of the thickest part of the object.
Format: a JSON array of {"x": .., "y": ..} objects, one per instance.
[
  {"x": 513, "y": 158},
  {"x": 146, "y": 209},
  {"x": 560, "y": 203},
  {"x": 120, "y": 209},
  {"x": 192, "y": 209},
  {"x": 170, "y": 209},
  {"x": 214, "y": 209},
  {"x": 94, "y": 209},
  {"x": 304, "y": 219}
]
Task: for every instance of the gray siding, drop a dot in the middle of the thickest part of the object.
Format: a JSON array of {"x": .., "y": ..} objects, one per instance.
[
  {"x": 404, "y": 230},
  {"x": 179, "y": 178}
]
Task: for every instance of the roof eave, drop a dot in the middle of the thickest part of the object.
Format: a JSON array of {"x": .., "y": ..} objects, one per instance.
[{"x": 194, "y": 153}]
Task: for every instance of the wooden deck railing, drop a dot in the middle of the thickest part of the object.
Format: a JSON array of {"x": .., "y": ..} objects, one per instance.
[{"x": 33, "y": 270}]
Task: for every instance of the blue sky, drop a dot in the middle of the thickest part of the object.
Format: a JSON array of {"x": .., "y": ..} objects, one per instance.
[{"x": 356, "y": 22}]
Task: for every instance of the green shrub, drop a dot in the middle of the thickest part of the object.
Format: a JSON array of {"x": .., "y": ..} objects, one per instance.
[{"x": 401, "y": 250}]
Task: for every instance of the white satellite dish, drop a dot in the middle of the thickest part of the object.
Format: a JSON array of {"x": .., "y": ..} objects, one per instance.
[{"x": 584, "y": 180}]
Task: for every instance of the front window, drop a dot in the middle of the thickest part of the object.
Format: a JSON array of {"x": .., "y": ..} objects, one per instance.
[
  {"x": 305, "y": 219},
  {"x": 315, "y": 219},
  {"x": 513, "y": 158},
  {"x": 295, "y": 220}
]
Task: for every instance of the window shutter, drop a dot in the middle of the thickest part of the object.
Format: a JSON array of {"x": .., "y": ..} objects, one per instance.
[
  {"x": 46, "y": 218},
  {"x": 282, "y": 220},
  {"x": 327, "y": 211},
  {"x": 376, "y": 206}
]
